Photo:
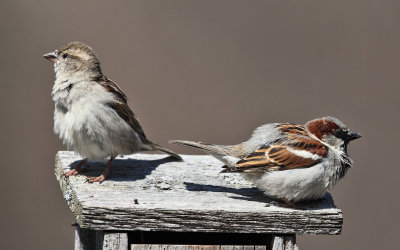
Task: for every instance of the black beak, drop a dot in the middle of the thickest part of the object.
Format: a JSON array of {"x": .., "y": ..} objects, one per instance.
[
  {"x": 51, "y": 56},
  {"x": 352, "y": 135}
]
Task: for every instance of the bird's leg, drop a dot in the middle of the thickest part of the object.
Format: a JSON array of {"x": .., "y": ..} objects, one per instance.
[
  {"x": 288, "y": 203},
  {"x": 103, "y": 175},
  {"x": 76, "y": 170},
  {"x": 291, "y": 204},
  {"x": 284, "y": 202}
]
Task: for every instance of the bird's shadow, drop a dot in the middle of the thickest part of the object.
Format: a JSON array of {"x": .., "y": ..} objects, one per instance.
[
  {"x": 254, "y": 194},
  {"x": 123, "y": 169},
  {"x": 250, "y": 194}
]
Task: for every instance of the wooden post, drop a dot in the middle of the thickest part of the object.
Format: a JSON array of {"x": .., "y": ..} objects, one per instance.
[
  {"x": 280, "y": 243},
  {"x": 86, "y": 239},
  {"x": 151, "y": 193},
  {"x": 284, "y": 242},
  {"x": 111, "y": 240}
]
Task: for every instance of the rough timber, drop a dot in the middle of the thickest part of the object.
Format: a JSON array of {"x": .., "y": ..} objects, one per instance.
[{"x": 149, "y": 192}]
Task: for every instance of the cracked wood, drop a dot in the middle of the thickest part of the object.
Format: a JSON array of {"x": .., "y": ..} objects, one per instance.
[{"x": 149, "y": 192}]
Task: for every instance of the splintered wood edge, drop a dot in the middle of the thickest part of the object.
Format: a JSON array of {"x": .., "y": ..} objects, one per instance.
[
  {"x": 133, "y": 219},
  {"x": 67, "y": 190}
]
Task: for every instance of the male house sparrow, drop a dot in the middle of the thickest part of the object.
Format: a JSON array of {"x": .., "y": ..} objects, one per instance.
[
  {"x": 287, "y": 161},
  {"x": 91, "y": 113}
]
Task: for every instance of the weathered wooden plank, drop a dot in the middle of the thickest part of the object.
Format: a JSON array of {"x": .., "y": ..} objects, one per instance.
[
  {"x": 151, "y": 193},
  {"x": 192, "y": 247},
  {"x": 210, "y": 247},
  {"x": 173, "y": 247},
  {"x": 231, "y": 247},
  {"x": 146, "y": 247},
  {"x": 260, "y": 247},
  {"x": 111, "y": 241},
  {"x": 248, "y": 247},
  {"x": 284, "y": 242},
  {"x": 86, "y": 239}
]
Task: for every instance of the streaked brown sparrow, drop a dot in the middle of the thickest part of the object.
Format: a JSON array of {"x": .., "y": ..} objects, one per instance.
[
  {"x": 91, "y": 113},
  {"x": 287, "y": 161}
]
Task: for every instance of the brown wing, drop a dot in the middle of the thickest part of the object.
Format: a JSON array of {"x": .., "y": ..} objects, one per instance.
[
  {"x": 289, "y": 128},
  {"x": 120, "y": 106},
  {"x": 284, "y": 155},
  {"x": 111, "y": 87},
  {"x": 123, "y": 110}
]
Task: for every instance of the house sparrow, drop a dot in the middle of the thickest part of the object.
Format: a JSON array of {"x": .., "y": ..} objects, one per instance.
[
  {"x": 91, "y": 113},
  {"x": 290, "y": 162}
]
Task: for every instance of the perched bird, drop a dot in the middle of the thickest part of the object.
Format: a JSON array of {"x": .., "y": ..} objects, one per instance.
[
  {"x": 91, "y": 113},
  {"x": 290, "y": 162}
]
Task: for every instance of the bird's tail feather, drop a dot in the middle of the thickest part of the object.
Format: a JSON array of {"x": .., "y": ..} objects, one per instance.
[
  {"x": 208, "y": 148},
  {"x": 229, "y": 155},
  {"x": 165, "y": 150}
]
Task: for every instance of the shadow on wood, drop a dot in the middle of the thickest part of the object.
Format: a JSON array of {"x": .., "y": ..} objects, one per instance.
[
  {"x": 190, "y": 201},
  {"x": 118, "y": 167}
]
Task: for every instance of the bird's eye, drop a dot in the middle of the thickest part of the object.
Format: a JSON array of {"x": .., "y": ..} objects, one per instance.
[
  {"x": 65, "y": 55},
  {"x": 339, "y": 133}
]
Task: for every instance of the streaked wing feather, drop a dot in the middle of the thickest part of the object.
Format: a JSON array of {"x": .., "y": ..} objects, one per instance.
[
  {"x": 112, "y": 87},
  {"x": 123, "y": 110},
  {"x": 120, "y": 106},
  {"x": 289, "y": 128},
  {"x": 280, "y": 155}
]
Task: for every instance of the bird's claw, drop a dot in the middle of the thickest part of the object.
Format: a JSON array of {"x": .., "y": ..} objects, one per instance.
[
  {"x": 98, "y": 179},
  {"x": 288, "y": 204},
  {"x": 72, "y": 172}
]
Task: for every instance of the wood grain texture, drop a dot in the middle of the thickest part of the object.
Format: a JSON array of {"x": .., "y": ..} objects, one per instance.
[
  {"x": 111, "y": 240},
  {"x": 260, "y": 247},
  {"x": 193, "y": 247},
  {"x": 87, "y": 239},
  {"x": 284, "y": 242},
  {"x": 152, "y": 193}
]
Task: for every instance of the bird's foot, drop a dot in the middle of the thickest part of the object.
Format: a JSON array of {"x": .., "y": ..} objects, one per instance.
[
  {"x": 98, "y": 179},
  {"x": 72, "y": 172},
  {"x": 76, "y": 170},
  {"x": 103, "y": 175},
  {"x": 288, "y": 204}
]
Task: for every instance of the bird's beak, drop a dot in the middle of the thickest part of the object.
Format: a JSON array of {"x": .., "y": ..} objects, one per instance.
[
  {"x": 52, "y": 56},
  {"x": 352, "y": 135}
]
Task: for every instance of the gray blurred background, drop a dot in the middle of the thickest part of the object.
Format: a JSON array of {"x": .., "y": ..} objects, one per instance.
[{"x": 209, "y": 71}]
